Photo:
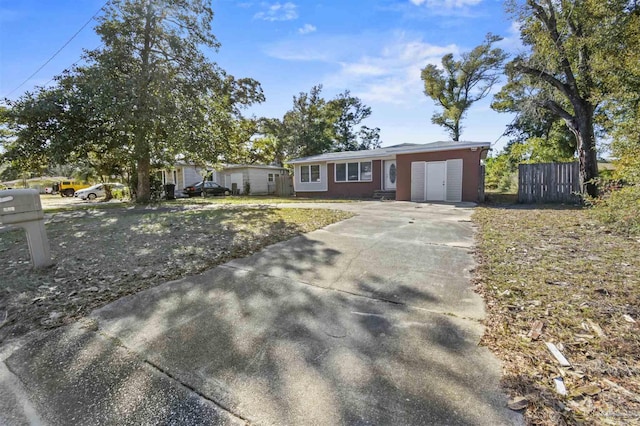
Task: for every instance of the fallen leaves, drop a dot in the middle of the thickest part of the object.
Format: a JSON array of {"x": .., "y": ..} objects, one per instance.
[
  {"x": 549, "y": 275},
  {"x": 536, "y": 330},
  {"x": 100, "y": 257},
  {"x": 518, "y": 403}
]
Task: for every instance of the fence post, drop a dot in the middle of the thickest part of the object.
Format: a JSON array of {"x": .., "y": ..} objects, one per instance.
[{"x": 548, "y": 182}]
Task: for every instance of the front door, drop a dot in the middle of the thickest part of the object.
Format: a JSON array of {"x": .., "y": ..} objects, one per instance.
[
  {"x": 390, "y": 175},
  {"x": 436, "y": 181}
]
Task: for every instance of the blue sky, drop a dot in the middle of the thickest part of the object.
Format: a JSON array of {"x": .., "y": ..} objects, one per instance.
[{"x": 374, "y": 48}]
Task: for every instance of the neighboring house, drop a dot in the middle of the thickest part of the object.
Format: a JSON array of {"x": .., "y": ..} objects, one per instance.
[
  {"x": 181, "y": 175},
  {"x": 439, "y": 171},
  {"x": 259, "y": 178}
]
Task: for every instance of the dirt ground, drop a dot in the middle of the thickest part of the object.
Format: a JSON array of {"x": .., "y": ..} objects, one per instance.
[
  {"x": 555, "y": 275},
  {"x": 104, "y": 251}
]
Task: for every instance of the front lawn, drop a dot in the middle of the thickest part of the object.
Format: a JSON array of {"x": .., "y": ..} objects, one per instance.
[
  {"x": 560, "y": 269},
  {"x": 102, "y": 254}
]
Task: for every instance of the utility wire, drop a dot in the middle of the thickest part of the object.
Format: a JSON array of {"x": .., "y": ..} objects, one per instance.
[
  {"x": 59, "y": 50},
  {"x": 505, "y": 132}
]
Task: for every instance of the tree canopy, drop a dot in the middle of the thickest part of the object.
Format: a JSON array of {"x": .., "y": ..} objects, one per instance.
[
  {"x": 566, "y": 70},
  {"x": 315, "y": 125},
  {"x": 460, "y": 83},
  {"x": 148, "y": 94}
]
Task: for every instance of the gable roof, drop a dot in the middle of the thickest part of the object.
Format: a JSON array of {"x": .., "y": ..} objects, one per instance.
[{"x": 391, "y": 151}]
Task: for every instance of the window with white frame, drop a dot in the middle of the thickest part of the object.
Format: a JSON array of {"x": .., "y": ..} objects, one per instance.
[
  {"x": 354, "y": 172},
  {"x": 270, "y": 177},
  {"x": 310, "y": 173}
]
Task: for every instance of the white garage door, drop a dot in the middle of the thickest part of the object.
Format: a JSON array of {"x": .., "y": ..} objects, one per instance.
[{"x": 436, "y": 180}]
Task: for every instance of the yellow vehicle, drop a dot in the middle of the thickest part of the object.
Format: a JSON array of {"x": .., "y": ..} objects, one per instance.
[{"x": 67, "y": 188}]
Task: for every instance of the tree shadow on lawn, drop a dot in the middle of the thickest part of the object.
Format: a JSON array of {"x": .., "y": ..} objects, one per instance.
[
  {"x": 101, "y": 255},
  {"x": 268, "y": 349}
]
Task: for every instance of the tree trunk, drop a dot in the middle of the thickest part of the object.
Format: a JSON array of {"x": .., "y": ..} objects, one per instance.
[
  {"x": 586, "y": 144},
  {"x": 143, "y": 156},
  {"x": 456, "y": 131},
  {"x": 144, "y": 183}
]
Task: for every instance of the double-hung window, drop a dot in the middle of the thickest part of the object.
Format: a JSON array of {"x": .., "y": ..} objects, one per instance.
[
  {"x": 310, "y": 173},
  {"x": 354, "y": 172}
]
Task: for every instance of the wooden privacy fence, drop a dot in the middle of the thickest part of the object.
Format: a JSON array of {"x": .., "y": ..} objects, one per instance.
[
  {"x": 549, "y": 183},
  {"x": 284, "y": 185}
]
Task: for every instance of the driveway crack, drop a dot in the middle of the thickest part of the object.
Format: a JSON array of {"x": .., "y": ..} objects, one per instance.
[
  {"x": 158, "y": 369},
  {"x": 350, "y": 293},
  {"x": 224, "y": 408}
]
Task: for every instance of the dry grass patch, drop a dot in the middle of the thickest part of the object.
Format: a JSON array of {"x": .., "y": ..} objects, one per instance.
[
  {"x": 560, "y": 267},
  {"x": 103, "y": 254}
]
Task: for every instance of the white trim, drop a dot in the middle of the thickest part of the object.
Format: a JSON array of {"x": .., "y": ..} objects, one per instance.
[
  {"x": 335, "y": 171},
  {"x": 322, "y": 186},
  {"x": 391, "y": 152}
]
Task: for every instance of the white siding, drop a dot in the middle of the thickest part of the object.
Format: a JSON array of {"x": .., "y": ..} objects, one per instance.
[
  {"x": 418, "y": 180},
  {"x": 237, "y": 179},
  {"x": 454, "y": 180},
  {"x": 191, "y": 175},
  {"x": 258, "y": 179},
  {"x": 311, "y": 186}
]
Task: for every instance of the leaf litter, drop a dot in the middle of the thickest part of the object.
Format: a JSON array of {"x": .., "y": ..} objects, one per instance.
[
  {"x": 101, "y": 255},
  {"x": 587, "y": 286}
]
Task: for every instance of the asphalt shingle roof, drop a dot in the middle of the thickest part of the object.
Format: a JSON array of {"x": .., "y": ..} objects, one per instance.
[{"x": 391, "y": 151}]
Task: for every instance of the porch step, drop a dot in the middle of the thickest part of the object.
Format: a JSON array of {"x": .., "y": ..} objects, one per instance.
[{"x": 384, "y": 195}]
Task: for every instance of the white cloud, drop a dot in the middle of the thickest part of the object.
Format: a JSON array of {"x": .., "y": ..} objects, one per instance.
[
  {"x": 307, "y": 29},
  {"x": 393, "y": 74},
  {"x": 448, "y": 4},
  {"x": 389, "y": 71},
  {"x": 278, "y": 12},
  {"x": 512, "y": 42}
]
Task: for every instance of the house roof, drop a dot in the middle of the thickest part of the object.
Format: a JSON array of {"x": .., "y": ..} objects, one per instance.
[
  {"x": 252, "y": 166},
  {"x": 391, "y": 151},
  {"x": 225, "y": 166}
]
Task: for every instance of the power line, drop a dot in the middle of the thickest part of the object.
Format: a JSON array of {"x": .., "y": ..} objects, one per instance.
[
  {"x": 59, "y": 50},
  {"x": 505, "y": 132}
]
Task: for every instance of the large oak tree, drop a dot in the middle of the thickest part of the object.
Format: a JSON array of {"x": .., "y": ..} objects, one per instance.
[
  {"x": 566, "y": 66},
  {"x": 147, "y": 95}
]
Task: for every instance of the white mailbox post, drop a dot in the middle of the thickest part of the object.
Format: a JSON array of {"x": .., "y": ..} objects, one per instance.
[{"x": 21, "y": 207}]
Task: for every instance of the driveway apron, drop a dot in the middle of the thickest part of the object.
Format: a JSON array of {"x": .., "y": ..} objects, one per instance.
[{"x": 368, "y": 321}]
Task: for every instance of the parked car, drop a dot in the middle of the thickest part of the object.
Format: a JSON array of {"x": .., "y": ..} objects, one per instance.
[
  {"x": 212, "y": 188},
  {"x": 193, "y": 190},
  {"x": 68, "y": 188},
  {"x": 96, "y": 191}
]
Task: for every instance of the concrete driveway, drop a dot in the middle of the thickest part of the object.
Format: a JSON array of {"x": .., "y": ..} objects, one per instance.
[{"x": 367, "y": 321}]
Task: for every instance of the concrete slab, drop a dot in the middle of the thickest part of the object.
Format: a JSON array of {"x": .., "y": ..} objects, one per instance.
[
  {"x": 276, "y": 351},
  {"x": 416, "y": 256},
  {"x": 16, "y": 407},
  {"x": 369, "y": 321},
  {"x": 77, "y": 376}
]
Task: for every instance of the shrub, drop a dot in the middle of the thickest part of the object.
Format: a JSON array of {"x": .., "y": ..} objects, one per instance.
[
  {"x": 619, "y": 210},
  {"x": 120, "y": 194}
]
